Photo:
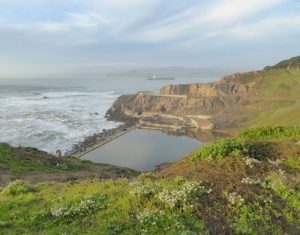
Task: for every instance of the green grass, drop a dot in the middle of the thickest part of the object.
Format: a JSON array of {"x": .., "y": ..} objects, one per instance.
[
  {"x": 271, "y": 132},
  {"x": 221, "y": 149},
  {"x": 109, "y": 207},
  {"x": 36, "y": 166},
  {"x": 275, "y": 101},
  {"x": 11, "y": 159},
  {"x": 250, "y": 142},
  {"x": 246, "y": 198},
  {"x": 280, "y": 98},
  {"x": 147, "y": 205},
  {"x": 280, "y": 82}
]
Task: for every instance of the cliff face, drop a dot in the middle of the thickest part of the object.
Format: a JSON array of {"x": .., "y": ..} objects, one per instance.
[
  {"x": 229, "y": 85},
  {"x": 192, "y": 105}
]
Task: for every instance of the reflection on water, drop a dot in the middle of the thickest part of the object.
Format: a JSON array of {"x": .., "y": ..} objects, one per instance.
[
  {"x": 202, "y": 136},
  {"x": 143, "y": 150}
]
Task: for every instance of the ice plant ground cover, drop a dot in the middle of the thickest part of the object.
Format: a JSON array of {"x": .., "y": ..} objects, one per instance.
[{"x": 237, "y": 192}]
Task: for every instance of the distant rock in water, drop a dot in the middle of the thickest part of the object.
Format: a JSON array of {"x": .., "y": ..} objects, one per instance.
[
  {"x": 45, "y": 97},
  {"x": 293, "y": 63}
]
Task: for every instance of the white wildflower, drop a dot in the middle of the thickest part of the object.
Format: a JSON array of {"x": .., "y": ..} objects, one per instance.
[
  {"x": 250, "y": 181},
  {"x": 234, "y": 199}
]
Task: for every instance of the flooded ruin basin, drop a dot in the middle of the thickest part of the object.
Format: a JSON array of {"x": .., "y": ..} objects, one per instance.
[{"x": 143, "y": 150}]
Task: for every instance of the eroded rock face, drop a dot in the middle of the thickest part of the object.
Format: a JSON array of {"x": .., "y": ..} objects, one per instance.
[{"x": 187, "y": 100}]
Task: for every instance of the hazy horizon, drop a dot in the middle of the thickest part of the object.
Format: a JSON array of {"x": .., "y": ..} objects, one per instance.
[
  {"x": 55, "y": 38},
  {"x": 126, "y": 72}
]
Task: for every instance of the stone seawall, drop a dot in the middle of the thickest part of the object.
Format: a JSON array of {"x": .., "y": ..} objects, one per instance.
[{"x": 97, "y": 140}]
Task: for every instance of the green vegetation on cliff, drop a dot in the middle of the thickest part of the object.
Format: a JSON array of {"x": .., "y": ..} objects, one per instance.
[
  {"x": 286, "y": 64},
  {"x": 275, "y": 101}
]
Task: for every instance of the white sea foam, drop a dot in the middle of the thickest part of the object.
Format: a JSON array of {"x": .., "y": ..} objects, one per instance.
[
  {"x": 51, "y": 120},
  {"x": 54, "y": 114}
]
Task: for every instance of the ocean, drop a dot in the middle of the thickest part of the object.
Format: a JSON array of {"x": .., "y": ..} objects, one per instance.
[{"x": 52, "y": 114}]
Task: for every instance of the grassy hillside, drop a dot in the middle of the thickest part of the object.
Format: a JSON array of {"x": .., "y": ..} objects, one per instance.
[
  {"x": 37, "y": 166},
  {"x": 246, "y": 185},
  {"x": 276, "y": 101},
  {"x": 280, "y": 90}
]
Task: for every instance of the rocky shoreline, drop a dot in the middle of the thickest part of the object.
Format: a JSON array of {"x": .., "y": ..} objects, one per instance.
[
  {"x": 178, "y": 108},
  {"x": 98, "y": 139},
  {"x": 198, "y": 106}
]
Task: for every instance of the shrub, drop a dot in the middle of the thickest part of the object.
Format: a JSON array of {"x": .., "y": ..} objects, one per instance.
[
  {"x": 234, "y": 199},
  {"x": 141, "y": 189},
  {"x": 255, "y": 219},
  {"x": 163, "y": 222},
  {"x": 16, "y": 188},
  {"x": 184, "y": 197},
  {"x": 235, "y": 148},
  {"x": 221, "y": 149},
  {"x": 270, "y": 132},
  {"x": 84, "y": 207},
  {"x": 292, "y": 163},
  {"x": 278, "y": 183},
  {"x": 250, "y": 181}
]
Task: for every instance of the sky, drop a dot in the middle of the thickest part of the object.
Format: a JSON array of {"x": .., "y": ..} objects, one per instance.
[{"x": 50, "y": 36}]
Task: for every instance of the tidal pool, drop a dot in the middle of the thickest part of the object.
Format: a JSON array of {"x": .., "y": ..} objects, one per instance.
[{"x": 143, "y": 150}]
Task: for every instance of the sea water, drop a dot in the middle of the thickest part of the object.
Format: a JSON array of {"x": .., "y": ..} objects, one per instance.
[{"x": 52, "y": 114}]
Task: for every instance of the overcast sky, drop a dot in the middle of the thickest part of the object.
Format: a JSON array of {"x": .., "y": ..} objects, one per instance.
[{"x": 48, "y": 36}]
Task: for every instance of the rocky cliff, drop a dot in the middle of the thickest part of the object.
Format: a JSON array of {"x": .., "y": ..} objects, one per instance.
[
  {"x": 185, "y": 106},
  {"x": 270, "y": 96}
]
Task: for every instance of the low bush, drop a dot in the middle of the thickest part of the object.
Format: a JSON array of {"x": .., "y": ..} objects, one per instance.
[
  {"x": 16, "y": 188},
  {"x": 292, "y": 163},
  {"x": 77, "y": 209},
  {"x": 278, "y": 182},
  {"x": 164, "y": 222},
  {"x": 256, "y": 219},
  {"x": 253, "y": 143},
  {"x": 221, "y": 149},
  {"x": 270, "y": 132},
  {"x": 184, "y": 197},
  {"x": 141, "y": 189}
]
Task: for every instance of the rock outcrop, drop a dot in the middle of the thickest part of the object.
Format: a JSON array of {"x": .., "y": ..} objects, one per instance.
[{"x": 185, "y": 106}]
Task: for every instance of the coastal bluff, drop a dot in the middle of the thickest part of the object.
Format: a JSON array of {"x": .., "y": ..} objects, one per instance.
[{"x": 184, "y": 106}]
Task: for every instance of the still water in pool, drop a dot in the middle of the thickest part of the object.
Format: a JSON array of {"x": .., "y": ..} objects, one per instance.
[{"x": 143, "y": 150}]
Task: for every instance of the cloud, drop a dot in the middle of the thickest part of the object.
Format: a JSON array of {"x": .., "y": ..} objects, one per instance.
[
  {"x": 267, "y": 28},
  {"x": 227, "y": 11},
  {"x": 148, "y": 21},
  {"x": 74, "y": 20},
  {"x": 140, "y": 30},
  {"x": 196, "y": 20}
]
